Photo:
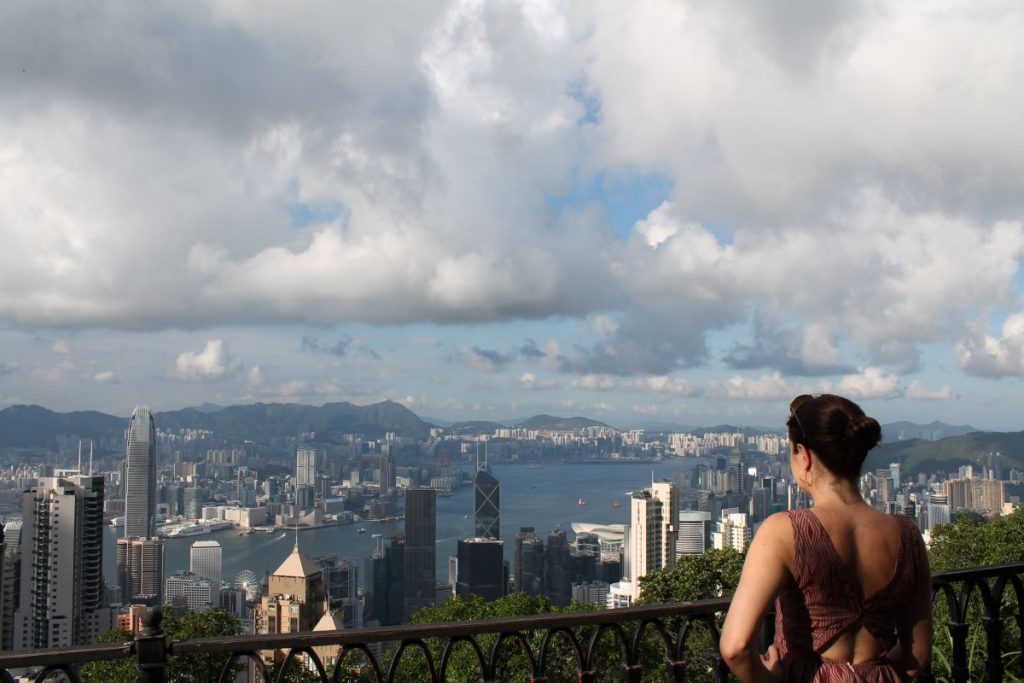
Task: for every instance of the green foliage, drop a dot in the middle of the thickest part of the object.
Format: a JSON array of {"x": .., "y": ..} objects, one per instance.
[
  {"x": 463, "y": 665},
  {"x": 184, "y": 669},
  {"x": 694, "y": 577},
  {"x": 973, "y": 541}
]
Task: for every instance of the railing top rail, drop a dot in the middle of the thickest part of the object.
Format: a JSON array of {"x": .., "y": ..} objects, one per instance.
[
  {"x": 450, "y": 630},
  {"x": 76, "y": 654},
  {"x": 112, "y": 651}
]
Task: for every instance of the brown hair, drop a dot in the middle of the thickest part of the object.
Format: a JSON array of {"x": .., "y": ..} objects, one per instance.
[{"x": 836, "y": 429}]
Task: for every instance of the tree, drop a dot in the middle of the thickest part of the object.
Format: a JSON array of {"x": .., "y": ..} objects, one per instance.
[
  {"x": 184, "y": 669},
  {"x": 694, "y": 577},
  {"x": 972, "y": 541}
]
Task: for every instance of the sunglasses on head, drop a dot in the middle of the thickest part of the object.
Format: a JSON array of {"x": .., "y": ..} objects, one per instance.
[{"x": 797, "y": 404}]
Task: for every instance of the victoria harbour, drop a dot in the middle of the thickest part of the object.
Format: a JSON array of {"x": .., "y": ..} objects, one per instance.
[{"x": 545, "y": 498}]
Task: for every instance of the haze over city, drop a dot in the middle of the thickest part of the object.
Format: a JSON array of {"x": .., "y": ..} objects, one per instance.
[{"x": 639, "y": 212}]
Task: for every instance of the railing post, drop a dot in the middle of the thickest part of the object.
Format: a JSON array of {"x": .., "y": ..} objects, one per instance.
[
  {"x": 958, "y": 632},
  {"x": 994, "y": 636},
  {"x": 151, "y": 648}
]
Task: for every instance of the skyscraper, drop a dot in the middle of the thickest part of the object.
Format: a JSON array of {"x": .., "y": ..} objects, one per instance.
[
  {"x": 305, "y": 466},
  {"x": 529, "y": 562},
  {"x": 481, "y": 570},
  {"x": 205, "y": 560},
  {"x": 140, "y": 487},
  {"x": 653, "y": 518},
  {"x": 387, "y": 468},
  {"x": 62, "y": 592},
  {"x": 140, "y": 569},
  {"x": 694, "y": 529},
  {"x": 296, "y": 599},
  {"x": 11, "y": 580},
  {"x": 487, "y": 517},
  {"x": 557, "y": 569},
  {"x": 420, "y": 549}
]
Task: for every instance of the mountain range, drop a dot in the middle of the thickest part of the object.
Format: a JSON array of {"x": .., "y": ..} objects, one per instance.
[{"x": 918, "y": 447}]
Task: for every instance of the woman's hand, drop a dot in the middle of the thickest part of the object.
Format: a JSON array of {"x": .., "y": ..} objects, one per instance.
[{"x": 772, "y": 662}]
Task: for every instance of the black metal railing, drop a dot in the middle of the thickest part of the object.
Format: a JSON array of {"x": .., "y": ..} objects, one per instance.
[{"x": 579, "y": 637}]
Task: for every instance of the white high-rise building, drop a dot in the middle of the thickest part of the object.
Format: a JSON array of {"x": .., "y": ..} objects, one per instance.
[
  {"x": 732, "y": 531},
  {"x": 205, "y": 560},
  {"x": 693, "y": 533},
  {"x": 140, "y": 487},
  {"x": 649, "y": 540},
  {"x": 653, "y": 516},
  {"x": 62, "y": 591}
]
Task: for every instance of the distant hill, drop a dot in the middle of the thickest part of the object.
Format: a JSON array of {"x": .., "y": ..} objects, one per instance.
[
  {"x": 566, "y": 423},
  {"x": 24, "y": 426},
  {"x": 475, "y": 427},
  {"x": 916, "y": 455},
  {"x": 27, "y": 426},
  {"x": 934, "y": 431}
]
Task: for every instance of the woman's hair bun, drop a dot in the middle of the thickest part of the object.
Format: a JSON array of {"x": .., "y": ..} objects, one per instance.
[{"x": 863, "y": 433}]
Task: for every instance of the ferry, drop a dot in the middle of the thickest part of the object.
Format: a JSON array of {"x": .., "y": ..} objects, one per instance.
[
  {"x": 581, "y": 502},
  {"x": 362, "y": 530}
]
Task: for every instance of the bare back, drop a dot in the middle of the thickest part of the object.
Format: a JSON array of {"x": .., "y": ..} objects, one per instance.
[
  {"x": 867, "y": 542},
  {"x": 851, "y": 569}
]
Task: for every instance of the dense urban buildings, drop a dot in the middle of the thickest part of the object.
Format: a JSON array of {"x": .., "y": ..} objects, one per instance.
[{"x": 140, "y": 567}]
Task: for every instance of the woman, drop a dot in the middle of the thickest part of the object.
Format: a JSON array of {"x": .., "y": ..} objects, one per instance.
[{"x": 844, "y": 576}]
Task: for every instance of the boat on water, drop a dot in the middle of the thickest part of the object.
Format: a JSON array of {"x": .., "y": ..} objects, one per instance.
[
  {"x": 616, "y": 503},
  {"x": 117, "y": 522},
  {"x": 361, "y": 530},
  {"x": 581, "y": 502}
]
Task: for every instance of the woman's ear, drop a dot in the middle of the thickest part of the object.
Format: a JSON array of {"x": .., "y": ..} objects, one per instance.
[{"x": 803, "y": 458}]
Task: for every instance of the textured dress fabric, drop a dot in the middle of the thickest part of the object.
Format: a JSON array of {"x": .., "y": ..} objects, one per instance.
[{"x": 822, "y": 600}]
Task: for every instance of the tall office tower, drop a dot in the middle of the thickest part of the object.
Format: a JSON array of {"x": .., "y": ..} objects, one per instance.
[
  {"x": 10, "y": 575},
  {"x": 62, "y": 591},
  {"x": 341, "y": 577},
  {"x": 305, "y": 466},
  {"x": 488, "y": 505},
  {"x": 694, "y": 531},
  {"x": 653, "y": 517},
  {"x": 205, "y": 560},
  {"x": 529, "y": 562},
  {"x": 387, "y": 468},
  {"x": 140, "y": 570},
  {"x": 894, "y": 472},
  {"x": 420, "y": 549},
  {"x": 481, "y": 569},
  {"x": 140, "y": 472},
  {"x": 558, "y": 569}
]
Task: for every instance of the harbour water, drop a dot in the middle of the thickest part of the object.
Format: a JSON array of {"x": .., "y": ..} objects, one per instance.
[{"x": 545, "y": 498}]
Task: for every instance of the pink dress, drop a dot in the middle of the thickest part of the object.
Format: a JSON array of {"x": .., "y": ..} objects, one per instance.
[{"x": 822, "y": 600}]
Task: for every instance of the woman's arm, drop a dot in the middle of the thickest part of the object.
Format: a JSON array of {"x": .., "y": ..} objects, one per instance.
[
  {"x": 764, "y": 572},
  {"x": 913, "y": 649}
]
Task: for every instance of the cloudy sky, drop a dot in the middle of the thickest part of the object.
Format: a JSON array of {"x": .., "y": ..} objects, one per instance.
[{"x": 672, "y": 211}]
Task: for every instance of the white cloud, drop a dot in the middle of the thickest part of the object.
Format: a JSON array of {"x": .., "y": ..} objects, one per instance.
[
  {"x": 765, "y": 388},
  {"x": 531, "y": 382},
  {"x": 106, "y": 377},
  {"x": 61, "y": 346},
  {"x": 916, "y": 390},
  {"x": 213, "y": 362},
  {"x": 255, "y": 377},
  {"x": 987, "y": 356},
  {"x": 662, "y": 384},
  {"x": 593, "y": 383},
  {"x": 869, "y": 383}
]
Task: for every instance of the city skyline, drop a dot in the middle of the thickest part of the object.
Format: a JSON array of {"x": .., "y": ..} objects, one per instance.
[{"x": 686, "y": 212}]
